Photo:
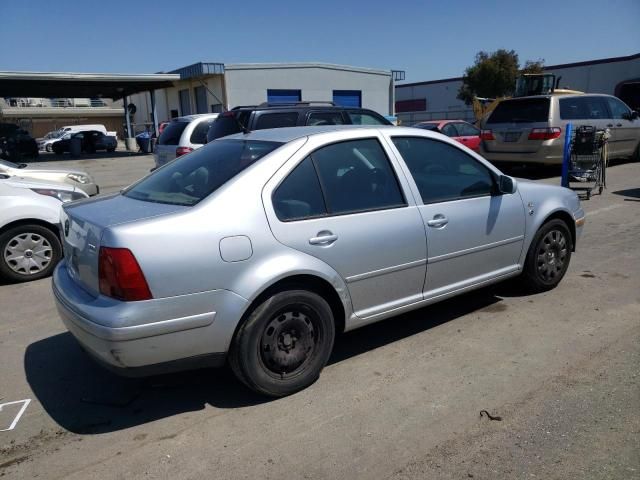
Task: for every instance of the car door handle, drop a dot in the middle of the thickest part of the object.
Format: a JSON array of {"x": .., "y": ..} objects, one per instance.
[
  {"x": 438, "y": 221},
  {"x": 323, "y": 239}
]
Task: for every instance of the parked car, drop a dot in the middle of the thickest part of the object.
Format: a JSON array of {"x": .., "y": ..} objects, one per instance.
[
  {"x": 259, "y": 247},
  {"x": 459, "y": 130},
  {"x": 182, "y": 135},
  {"x": 75, "y": 178},
  {"x": 30, "y": 243},
  {"x": 278, "y": 115},
  {"x": 92, "y": 141},
  {"x": 532, "y": 129},
  {"x": 161, "y": 128},
  {"x": 16, "y": 143},
  {"x": 45, "y": 143}
]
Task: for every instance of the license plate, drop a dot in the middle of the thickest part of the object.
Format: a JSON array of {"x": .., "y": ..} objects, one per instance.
[{"x": 511, "y": 136}]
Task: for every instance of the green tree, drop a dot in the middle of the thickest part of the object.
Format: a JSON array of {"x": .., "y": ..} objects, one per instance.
[{"x": 493, "y": 75}]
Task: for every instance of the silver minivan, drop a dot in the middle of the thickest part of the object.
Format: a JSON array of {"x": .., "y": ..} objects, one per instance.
[
  {"x": 532, "y": 129},
  {"x": 181, "y": 136}
]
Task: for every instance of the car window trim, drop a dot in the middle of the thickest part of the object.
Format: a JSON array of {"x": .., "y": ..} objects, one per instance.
[
  {"x": 328, "y": 214},
  {"x": 494, "y": 181}
]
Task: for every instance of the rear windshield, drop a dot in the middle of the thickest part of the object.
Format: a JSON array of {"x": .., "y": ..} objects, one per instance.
[
  {"x": 172, "y": 133},
  {"x": 427, "y": 126},
  {"x": 225, "y": 124},
  {"x": 527, "y": 110},
  {"x": 191, "y": 178}
]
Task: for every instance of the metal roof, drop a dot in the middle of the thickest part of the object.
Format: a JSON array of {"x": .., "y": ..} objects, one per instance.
[{"x": 80, "y": 85}]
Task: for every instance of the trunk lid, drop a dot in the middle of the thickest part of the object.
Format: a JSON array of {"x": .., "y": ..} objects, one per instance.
[
  {"x": 83, "y": 225},
  {"x": 513, "y": 120}
]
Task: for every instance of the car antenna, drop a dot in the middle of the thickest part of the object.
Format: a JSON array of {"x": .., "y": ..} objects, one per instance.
[{"x": 244, "y": 129}]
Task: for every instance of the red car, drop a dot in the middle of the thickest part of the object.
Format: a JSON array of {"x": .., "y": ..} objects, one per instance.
[{"x": 463, "y": 132}]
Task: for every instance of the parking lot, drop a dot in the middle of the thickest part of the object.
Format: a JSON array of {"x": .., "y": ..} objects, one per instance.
[{"x": 399, "y": 399}]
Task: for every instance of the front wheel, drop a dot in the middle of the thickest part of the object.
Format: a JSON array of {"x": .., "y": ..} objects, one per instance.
[
  {"x": 284, "y": 344},
  {"x": 28, "y": 252},
  {"x": 548, "y": 257}
]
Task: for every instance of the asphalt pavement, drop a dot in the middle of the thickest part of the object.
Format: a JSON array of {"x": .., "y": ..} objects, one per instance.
[{"x": 559, "y": 373}]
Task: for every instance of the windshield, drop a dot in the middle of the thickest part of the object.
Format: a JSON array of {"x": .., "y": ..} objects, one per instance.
[
  {"x": 191, "y": 178},
  {"x": 527, "y": 110}
]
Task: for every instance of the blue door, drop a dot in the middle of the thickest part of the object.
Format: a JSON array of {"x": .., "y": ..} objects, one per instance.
[
  {"x": 283, "y": 96},
  {"x": 348, "y": 98}
]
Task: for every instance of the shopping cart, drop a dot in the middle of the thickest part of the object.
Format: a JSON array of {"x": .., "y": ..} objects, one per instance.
[{"x": 588, "y": 160}]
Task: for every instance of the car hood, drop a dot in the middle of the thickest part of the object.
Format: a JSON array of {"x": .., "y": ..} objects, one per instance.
[{"x": 22, "y": 182}]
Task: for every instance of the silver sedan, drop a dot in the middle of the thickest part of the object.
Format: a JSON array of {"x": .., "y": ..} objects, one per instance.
[{"x": 258, "y": 248}]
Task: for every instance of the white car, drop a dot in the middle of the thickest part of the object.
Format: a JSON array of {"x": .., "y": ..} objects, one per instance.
[
  {"x": 29, "y": 226},
  {"x": 75, "y": 178},
  {"x": 181, "y": 136}
]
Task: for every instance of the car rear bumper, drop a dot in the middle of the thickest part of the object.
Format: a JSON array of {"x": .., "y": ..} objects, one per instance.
[
  {"x": 550, "y": 155},
  {"x": 153, "y": 336}
]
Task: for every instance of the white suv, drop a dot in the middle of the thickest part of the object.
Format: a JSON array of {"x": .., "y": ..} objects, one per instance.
[
  {"x": 182, "y": 135},
  {"x": 29, "y": 226}
]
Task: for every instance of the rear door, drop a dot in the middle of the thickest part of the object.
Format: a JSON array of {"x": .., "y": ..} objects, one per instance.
[
  {"x": 343, "y": 203},
  {"x": 625, "y": 132},
  {"x": 512, "y": 121}
]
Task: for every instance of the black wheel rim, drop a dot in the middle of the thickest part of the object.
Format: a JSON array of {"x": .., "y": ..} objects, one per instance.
[
  {"x": 289, "y": 341},
  {"x": 552, "y": 256}
]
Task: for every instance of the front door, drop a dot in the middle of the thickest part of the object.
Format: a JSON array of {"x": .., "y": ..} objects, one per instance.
[
  {"x": 473, "y": 233},
  {"x": 625, "y": 131},
  {"x": 343, "y": 203}
]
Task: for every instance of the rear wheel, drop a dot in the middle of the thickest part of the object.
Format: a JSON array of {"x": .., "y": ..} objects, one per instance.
[
  {"x": 284, "y": 344},
  {"x": 28, "y": 252},
  {"x": 57, "y": 149},
  {"x": 548, "y": 257}
]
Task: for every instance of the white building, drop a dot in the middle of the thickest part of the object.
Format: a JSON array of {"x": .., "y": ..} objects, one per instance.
[
  {"x": 211, "y": 87},
  {"x": 436, "y": 99}
]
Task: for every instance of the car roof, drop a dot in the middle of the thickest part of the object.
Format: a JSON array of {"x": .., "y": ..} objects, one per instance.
[{"x": 191, "y": 118}]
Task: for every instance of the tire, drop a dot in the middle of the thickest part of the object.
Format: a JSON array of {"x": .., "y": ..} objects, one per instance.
[
  {"x": 111, "y": 150},
  {"x": 28, "y": 252},
  {"x": 284, "y": 343},
  {"x": 57, "y": 150},
  {"x": 548, "y": 257},
  {"x": 48, "y": 147}
]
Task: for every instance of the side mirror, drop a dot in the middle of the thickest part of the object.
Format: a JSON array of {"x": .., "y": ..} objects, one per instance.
[
  {"x": 634, "y": 114},
  {"x": 506, "y": 184},
  {"x": 631, "y": 116}
]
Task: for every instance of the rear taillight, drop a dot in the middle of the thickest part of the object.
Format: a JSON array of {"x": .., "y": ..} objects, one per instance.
[
  {"x": 486, "y": 135},
  {"x": 545, "y": 133},
  {"x": 120, "y": 276},
  {"x": 183, "y": 151}
]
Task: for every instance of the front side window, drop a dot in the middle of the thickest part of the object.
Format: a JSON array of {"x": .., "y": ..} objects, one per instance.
[
  {"x": 450, "y": 130},
  {"x": 467, "y": 130},
  {"x": 356, "y": 176},
  {"x": 189, "y": 179},
  {"x": 583, "y": 108},
  {"x": 618, "y": 109},
  {"x": 362, "y": 118},
  {"x": 325, "y": 118},
  {"x": 443, "y": 172}
]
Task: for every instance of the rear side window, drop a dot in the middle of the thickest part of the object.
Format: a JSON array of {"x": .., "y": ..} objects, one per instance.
[
  {"x": 443, "y": 172},
  {"x": 172, "y": 133},
  {"x": 363, "y": 118},
  {"x": 193, "y": 177},
  {"x": 276, "y": 120},
  {"x": 299, "y": 196},
  {"x": 450, "y": 130},
  {"x": 199, "y": 134},
  {"x": 583, "y": 108},
  {"x": 527, "y": 110},
  {"x": 325, "y": 118}
]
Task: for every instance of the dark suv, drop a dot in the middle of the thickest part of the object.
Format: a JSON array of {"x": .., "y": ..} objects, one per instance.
[{"x": 298, "y": 114}]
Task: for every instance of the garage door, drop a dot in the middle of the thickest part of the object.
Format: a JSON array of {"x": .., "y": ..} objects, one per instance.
[
  {"x": 283, "y": 96},
  {"x": 348, "y": 98}
]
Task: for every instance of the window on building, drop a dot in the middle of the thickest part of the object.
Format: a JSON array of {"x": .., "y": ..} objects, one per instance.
[
  {"x": 185, "y": 102},
  {"x": 201, "y": 99},
  {"x": 216, "y": 108},
  {"x": 348, "y": 98},
  {"x": 283, "y": 96},
  {"x": 415, "y": 105}
]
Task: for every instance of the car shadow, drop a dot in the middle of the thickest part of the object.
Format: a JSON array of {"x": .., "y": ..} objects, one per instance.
[
  {"x": 84, "y": 398},
  {"x": 630, "y": 192}
]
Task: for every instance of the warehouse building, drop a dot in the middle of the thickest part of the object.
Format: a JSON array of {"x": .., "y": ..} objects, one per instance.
[
  {"x": 436, "y": 99},
  {"x": 212, "y": 87}
]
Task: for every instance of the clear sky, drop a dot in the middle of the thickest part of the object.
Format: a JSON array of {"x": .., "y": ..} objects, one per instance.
[{"x": 427, "y": 39}]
